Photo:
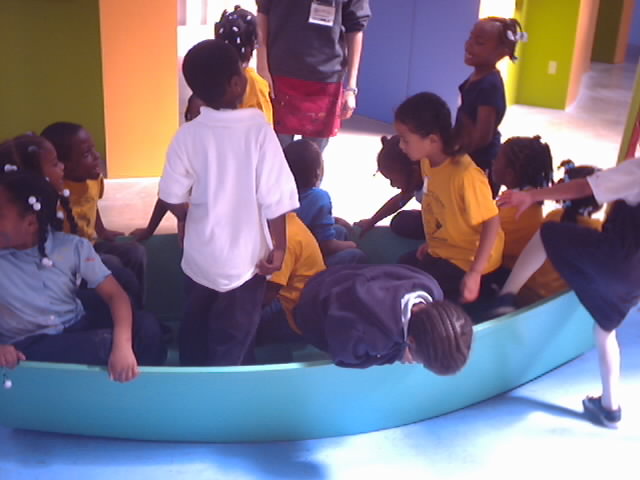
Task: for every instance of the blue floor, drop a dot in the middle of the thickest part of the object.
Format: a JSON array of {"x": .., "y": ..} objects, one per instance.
[{"x": 533, "y": 431}]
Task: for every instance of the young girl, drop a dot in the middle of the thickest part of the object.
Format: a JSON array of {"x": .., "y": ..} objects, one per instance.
[
  {"x": 404, "y": 174},
  {"x": 603, "y": 268},
  {"x": 461, "y": 223},
  {"x": 41, "y": 318},
  {"x": 483, "y": 102},
  {"x": 240, "y": 30}
]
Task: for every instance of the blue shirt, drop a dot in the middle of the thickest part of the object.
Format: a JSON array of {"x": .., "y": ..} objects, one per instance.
[
  {"x": 315, "y": 213},
  {"x": 488, "y": 91},
  {"x": 36, "y": 299}
]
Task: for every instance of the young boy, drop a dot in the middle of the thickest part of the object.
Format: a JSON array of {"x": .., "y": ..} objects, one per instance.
[
  {"x": 365, "y": 315},
  {"x": 228, "y": 166},
  {"x": 305, "y": 161}
]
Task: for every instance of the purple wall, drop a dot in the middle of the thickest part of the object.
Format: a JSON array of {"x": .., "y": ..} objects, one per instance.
[{"x": 413, "y": 46}]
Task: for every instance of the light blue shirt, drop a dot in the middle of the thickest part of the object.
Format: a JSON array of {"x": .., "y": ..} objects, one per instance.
[{"x": 36, "y": 299}]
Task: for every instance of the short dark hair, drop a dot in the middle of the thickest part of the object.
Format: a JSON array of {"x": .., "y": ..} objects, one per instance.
[
  {"x": 208, "y": 68},
  {"x": 305, "y": 161},
  {"x": 239, "y": 29},
  {"x": 442, "y": 333},
  {"x": 391, "y": 157},
  {"x": 60, "y": 135}
]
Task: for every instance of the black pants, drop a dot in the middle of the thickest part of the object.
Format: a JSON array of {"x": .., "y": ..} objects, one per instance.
[
  {"x": 448, "y": 274},
  {"x": 408, "y": 224},
  {"x": 88, "y": 341},
  {"x": 127, "y": 261},
  {"x": 219, "y": 328}
]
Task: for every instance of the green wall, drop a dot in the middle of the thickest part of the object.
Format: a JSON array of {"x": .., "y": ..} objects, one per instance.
[
  {"x": 607, "y": 28},
  {"x": 552, "y": 26},
  {"x": 51, "y": 66}
]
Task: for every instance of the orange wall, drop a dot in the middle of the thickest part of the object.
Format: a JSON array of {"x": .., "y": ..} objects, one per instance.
[
  {"x": 623, "y": 32},
  {"x": 139, "y": 55},
  {"x": 585, "y": 35}
]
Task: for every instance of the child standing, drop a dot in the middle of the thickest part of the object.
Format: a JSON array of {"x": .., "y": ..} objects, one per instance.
[
  {"x": 603, "y": 268},
  {"x": 305, "y": 161},
  {"x": 227, "y": 165},
  {"x": 461, "y": 223},
  {"x": 76, "y": 150},
  {"x": 404, "y": 174},
  {"x": 239, "y": 29},
  {"x": 41, "y": 318},
  {"x": 483, "y": 102}
]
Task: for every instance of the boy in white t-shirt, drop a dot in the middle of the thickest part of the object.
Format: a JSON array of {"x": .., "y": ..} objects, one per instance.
[{"x": 228, "y": 167}]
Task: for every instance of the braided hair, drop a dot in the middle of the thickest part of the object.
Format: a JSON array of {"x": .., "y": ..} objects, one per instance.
[
  {"x": 23, "y": 154},
  {"x": 584, "y": 207},
  {"x": 442, "y": 333},
  {"x": 425, "y": 114},
  {"x": 530, "y": 160},
  {"x": 511, "y": 34},
  {"x": 392, "y": 158},
  {"x": 240, "y": 30},
  {"x": 33, "y": 195}
]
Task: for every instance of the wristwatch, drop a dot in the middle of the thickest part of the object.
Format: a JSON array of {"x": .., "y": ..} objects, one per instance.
[{"x": 351, "y": 89}]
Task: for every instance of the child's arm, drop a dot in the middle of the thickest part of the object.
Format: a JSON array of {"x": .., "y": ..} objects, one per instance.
[
  {"x": 180, "y": 211},
  {"x": 470, "y": 286},
  {"x": 329, "y": 247},
  {"x": 10, "y": 357},
  {"x": 273, "y": 262},
  {"x": 389, "y": 208},
  {"x": 159, "y": 211},
  {"x": 482, "y": 131},
  {"x": 103, "y": 233},
  {"x": 522, "y": 200},
  {"x": 123, "y": 366}
]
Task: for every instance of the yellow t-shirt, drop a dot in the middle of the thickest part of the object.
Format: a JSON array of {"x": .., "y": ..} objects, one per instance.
[
  {"x": 302, "y": 261},
  {"x": 547, "y": 281},
  {"x": 257, "y": 94},
  {"x": 456, "y": 202},
  {"x": 518, "y": 232},
  {"x": 84, "y": 198}
]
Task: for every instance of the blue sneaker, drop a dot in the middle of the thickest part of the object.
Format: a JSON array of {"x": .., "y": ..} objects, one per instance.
[{"x": 603, "y": 416}]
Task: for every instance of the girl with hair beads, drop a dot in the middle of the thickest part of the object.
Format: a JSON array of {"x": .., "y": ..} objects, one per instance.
[
  {"x": 240, "y": 30},
  {"x": 483, "y": 103},
  {"x": 41, "y": 318},
  {"x": 461, "y": 223},
  {"x": 404, "y": 174},
  {"x": 602, "y": 267}
]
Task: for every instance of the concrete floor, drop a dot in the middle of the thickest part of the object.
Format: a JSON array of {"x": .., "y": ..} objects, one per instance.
[{"x": 532, "y": 432}]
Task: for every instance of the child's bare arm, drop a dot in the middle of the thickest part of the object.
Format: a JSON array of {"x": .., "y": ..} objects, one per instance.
[
  {"x": 159, "y": 211},
  {"x": 392, "y": 205},
  {"x": 10, "y": 357},
  {"x": 484, "y": 128},
  {"x": 470, "y": 287},
  {"x": 104, "y": 233},
  {"x": 278, "y": 230},
  {"x": 123, "y": 365},
  {"x": 522, "y": 200}
]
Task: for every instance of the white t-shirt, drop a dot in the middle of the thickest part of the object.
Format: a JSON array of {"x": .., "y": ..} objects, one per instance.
[
  {"x": 619, "y": 183},
  {"x": 229, "y": 166}
]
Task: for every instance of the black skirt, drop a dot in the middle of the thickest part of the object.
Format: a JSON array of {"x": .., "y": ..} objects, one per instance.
[{"x": 604, "y": 276}]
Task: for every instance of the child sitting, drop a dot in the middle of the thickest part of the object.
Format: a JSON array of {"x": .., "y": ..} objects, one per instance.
[
  {"x": 305, "y": 161},
  {"x": 461, "y": 223},
  {"x": 404, "y": 174},
  {"x": 227, "y": 165},
  {"x": 76, "y": 150},
  {"x": 365, "y": 315},
  {"x": 41, "y": 318},
  {"x": 239, "y": 29}
]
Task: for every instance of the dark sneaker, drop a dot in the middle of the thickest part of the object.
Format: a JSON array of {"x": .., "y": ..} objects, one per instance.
[
  {"x": 502, "y": 305},
  {"x": 594, "y": 409}
]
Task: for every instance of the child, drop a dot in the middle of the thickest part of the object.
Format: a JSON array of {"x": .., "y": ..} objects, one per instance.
[
  {"x": 522, "y": 163},
  {"x": 404, "y": 174},
  {"x": 41, "y": 318},
  {"x": 239, "y": 29},
  {"x": 603, "y": 268},
  {"x": 76, "y": 150},
  {"x": 305, "y": 161},
  {"x": 461, "y": 223},
  {"x": 227, "y": 165},
  {"x": 302, "y": 261},
  {"x": 364, "y": 315},
  {"x": 483, "y": 102}
]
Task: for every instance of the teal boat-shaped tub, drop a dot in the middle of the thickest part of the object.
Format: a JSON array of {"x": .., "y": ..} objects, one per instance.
[{"x": 288, "y": 401}]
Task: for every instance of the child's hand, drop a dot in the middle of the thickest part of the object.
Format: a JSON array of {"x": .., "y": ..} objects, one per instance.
[
  {"x": 140, "y": 234},
  {"x": 123, "y": 366},
  {"x": 364, "y": 226},
  {"x": 514, "y": 198},
  {"x": 470, "y": 287},
  {"x": 110, "y": 235},
  {"x": 271, "y": 264},
  {"x": 422, "y": 251},
  {"x": 10, "y": 357}
]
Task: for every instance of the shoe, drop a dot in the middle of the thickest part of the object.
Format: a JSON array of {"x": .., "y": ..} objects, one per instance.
[
  {"x": 502, "y": 305},
  {"x": 594, "y": 409}
]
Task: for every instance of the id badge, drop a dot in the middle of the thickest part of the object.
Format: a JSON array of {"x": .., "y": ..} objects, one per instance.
[{"x": 322, "y": 13}]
